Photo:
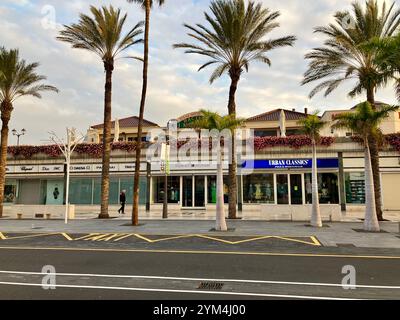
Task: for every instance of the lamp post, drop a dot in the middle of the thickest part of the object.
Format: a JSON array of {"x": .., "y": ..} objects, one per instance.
[{"x": 18, "y": 134}]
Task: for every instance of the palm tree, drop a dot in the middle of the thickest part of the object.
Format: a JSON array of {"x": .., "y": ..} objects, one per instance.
[
  {"x": 342, "y": 58},
  {"x": 216, "y": 123},
  {"x": 365, "y": 122},
  {"x": 18, "y": 79},
  {"x": 103, "y": 36},
  {"x": 234, "y": 38},
  {"x": 146, "y": 5},
  {"x": 312, "y": 126},
  {"x": 387, "y": 58}
]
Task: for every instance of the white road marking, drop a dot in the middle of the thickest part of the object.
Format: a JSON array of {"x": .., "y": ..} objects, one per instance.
[
  {"x": 180, "y": 291},
  {"x": 200, "y": 279}
]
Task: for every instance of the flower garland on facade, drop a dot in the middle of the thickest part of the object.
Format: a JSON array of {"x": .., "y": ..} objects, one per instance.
[
  {"x": 94, "y": 150},
  {"x": 393, "y": 140},
  {"x": 295, "y": 142}
]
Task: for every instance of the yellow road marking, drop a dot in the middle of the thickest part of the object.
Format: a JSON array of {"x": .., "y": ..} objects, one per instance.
[
  {"x": 108, "y": 237},
  {"x": 233, "y": 242},
  {"x": 143, "y": 238},
  {"x": 318, "y": 255},
  {"x": 296, "y": 240},
  {"x": 66, "y": 236},
  {"x": 124, "y": 236},
  {"x": 119, "y": 236},
  {"x": 165, "y": 239},
  {"x": 33, "y": 236},
  {"x": 316, "y": 241}
]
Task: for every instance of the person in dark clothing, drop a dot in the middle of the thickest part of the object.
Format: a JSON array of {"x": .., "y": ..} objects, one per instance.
[{"x": 122, "y": 200}]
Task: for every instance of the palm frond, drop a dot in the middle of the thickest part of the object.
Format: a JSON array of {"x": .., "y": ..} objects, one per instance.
[
  {"x": 102, "y": 33},
  {"x": 345, "y": 56},
  {"x": 19, "y": 78},
  {"x": 234, "y": 36}
]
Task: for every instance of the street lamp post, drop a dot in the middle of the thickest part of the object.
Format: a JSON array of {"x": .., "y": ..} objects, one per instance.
[{"x": 18, "y": 134}]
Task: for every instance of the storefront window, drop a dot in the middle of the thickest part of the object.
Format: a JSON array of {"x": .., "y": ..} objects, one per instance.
[
  {"x": 327, "y": 188},
  {"x": 258, "y": 188},
  {"x": 80, "y": 190},
  {"x": 10, "y": 191},
  {"x": 173, "y": 189},
  {"x": 355, "y": 187},
  {"x": 114, "y": 191},
  {"x": 212, "y": 189},
  {"x": 127, "y": 185}
]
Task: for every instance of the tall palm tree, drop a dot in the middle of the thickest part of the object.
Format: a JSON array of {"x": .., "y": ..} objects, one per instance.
[
  {"x": 103, "y": 35},
  {"x": 234, "y": 38},
  {"x": 216, "y": 124},
  {"x": 146, "y": 5},
  {"x": 18, "y": 79},
  {"x": 312, "y": 126},
  {"x": 342, "y": 58},
  {"x": 387, "y": 58},
  {"x": 365, "y": 122}
]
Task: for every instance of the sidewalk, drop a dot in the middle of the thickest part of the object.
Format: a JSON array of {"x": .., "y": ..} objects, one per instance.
[
  {"x": 348, "y": 216},
  {"x": 333, "y": 234}
]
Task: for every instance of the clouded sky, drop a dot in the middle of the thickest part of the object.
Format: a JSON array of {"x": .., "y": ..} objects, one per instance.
[{"x": 175, "y": 86}]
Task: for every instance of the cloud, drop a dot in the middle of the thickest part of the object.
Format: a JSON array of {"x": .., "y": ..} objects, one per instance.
[{"x": 175, "y": 86}]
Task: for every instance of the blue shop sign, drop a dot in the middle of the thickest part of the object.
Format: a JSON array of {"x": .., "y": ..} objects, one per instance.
[{"x": 290, "y": 164}]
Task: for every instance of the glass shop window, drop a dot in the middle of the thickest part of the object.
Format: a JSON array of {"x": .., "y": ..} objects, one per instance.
[
  {"x": 10, "y": 191},
  {"x": 328, "y": 188},
  {"x": 173, "y": 189},
  {"x": 355, "y": 187},
  {"x": 258, "y": 188},
  {"x": 212, "y": 189}
]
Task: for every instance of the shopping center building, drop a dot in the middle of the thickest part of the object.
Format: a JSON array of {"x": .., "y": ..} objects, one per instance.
[{"x": 274, "y": 182}]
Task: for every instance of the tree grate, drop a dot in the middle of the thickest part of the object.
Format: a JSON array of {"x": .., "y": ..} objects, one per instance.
[{"x": 212, "y": 286}]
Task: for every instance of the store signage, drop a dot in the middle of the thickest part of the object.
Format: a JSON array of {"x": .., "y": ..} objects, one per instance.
[
  {"x": 76, "y": 168},
  {"x": 10, "y": 169},
  {"x": 81, "y": 168},
  {"x": 99, "y": 167},
  {"x": 290, "y": 164},
  {"x": 51, "y": 168},
  {"x": 195, "y": 165},
  {"x": 26, "y": 169}
]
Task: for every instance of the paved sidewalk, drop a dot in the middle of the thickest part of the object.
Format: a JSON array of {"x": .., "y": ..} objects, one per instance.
[{"x": 333, "y": 234}]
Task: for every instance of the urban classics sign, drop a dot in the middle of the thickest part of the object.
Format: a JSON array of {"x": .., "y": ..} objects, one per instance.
[{"x": 290, "y": 164}]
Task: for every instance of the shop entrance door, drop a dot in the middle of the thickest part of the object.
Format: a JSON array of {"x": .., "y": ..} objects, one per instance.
[
  {"x": 193, "y": 192},
  {"x": 296, "y": 189},
  {"x": 187, "y": 192}
]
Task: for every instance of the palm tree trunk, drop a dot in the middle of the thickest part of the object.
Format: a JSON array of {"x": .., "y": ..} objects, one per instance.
[
  {"x": 374, "y": 150},
  {"x": 105, "y": 174},
  {"x": 371, "y": 221},
  {"x": 316, "y": 220},
  {"x": 135, "y": 210},
  {"x": 6, "y": 109},
  {"x": 235, "y": 77},
  {"x": 220, "y": 222}
]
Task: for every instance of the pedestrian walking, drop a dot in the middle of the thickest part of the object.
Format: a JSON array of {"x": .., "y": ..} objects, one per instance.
[{"x": 122, "y": 200}]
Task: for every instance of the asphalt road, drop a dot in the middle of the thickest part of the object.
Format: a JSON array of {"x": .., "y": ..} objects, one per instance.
[{"x": 178, "y": 269}]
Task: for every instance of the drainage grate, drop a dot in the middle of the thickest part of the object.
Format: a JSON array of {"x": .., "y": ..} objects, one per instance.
[{"x": 212, "y": 286}]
